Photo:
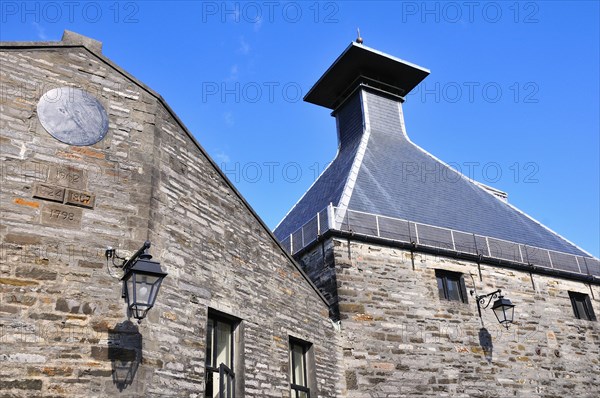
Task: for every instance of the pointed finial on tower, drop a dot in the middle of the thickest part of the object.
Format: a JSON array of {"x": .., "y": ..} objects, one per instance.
[{"x": 359, "y": 39}]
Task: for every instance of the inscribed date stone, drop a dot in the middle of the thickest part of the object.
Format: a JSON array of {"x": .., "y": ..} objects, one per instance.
[
  {"x": 61, "y": 216},
  {"x": 49, "y": 192},
  {"x": 78, "y": 198},
  {"x": 67, "y": 176}
]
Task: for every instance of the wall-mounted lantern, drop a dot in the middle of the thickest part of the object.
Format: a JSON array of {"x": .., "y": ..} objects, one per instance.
[
  {"x": 502, "y": 307},
  {"x": 141, "y": 280}
]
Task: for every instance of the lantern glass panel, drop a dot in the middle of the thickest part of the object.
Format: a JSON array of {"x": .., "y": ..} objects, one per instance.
[
  {"x": 510, "y": 313},
  {"x": 500, "y": 314},
  {"x": 130, "y": 282},
  {"x": 142, "y": 290},
  {"x": 146, "y": 287},
  {"x": 504, "y": 310}
]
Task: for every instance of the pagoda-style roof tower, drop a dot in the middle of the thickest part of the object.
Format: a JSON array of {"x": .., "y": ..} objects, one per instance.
[{"x": 382, "y": 185}]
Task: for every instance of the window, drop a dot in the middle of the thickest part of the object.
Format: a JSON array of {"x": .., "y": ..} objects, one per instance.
[
  {"x": 451, "y": 285},
  {"x": 220, "y": 377},
  {"x": 582, "y": 306},
  {"x": 299, "y": 383}
]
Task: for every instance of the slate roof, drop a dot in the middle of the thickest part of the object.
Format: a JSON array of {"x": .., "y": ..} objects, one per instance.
[
  {"x": 329, "y": 186},
  {"x": 379, "y": 170},
  {"x": 401, "y": 180}
]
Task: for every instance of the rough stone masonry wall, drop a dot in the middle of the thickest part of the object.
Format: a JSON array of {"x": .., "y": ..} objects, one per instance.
[
  {"x": 63, "y": 327},
  {"x": 58, "y": 304},
  {"x": 224, "y": 259},
  {"x": 400, "y": 340}
]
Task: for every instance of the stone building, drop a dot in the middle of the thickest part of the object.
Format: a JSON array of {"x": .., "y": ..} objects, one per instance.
[
  {"x": 92, "y": 158},
  {"x": 403, "y": 246},
  {"x": 388, "y": 242}
]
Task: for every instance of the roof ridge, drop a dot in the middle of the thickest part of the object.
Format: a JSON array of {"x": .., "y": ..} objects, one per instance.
[{"x": 356, "y": 163}]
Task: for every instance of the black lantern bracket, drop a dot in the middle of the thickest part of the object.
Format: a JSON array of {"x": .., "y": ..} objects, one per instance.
[
  {"x": 503, "y": 308},
  {"x": 126, "y": 263},
  {"x": 141, "y": 279}
]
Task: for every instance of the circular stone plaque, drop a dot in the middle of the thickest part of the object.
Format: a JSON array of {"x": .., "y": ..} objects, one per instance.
[{"x": 72, "y": 116}]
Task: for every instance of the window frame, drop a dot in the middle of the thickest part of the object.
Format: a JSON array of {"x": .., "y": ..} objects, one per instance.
[
  {"x": 585, "y": 302},
  {"x": 306, "y": 349},
  {"x": 220, "y": 369},
  {"x": 442, "y": 275}
]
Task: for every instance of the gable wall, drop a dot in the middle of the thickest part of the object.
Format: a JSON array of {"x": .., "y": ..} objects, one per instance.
[{"x": 63, "y": 326}]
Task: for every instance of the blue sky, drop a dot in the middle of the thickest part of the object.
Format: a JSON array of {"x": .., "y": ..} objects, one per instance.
[{"x": 512, "y": 99}]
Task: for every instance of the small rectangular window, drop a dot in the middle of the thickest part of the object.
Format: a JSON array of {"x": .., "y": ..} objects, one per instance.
[
  {"x": 582, "y": 306},
  {"x": 299, "y": 381},
  {"x": 451, "y": 285},
  {"x": 220, "y": 378}
]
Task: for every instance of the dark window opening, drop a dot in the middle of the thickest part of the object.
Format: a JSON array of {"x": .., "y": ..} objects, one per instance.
[
  {"x": 451, "y": 286},
  {"x": 220, "y": 379},
  {"x": 298, "y": 375},
  {"x": 582, "y": 306}
]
